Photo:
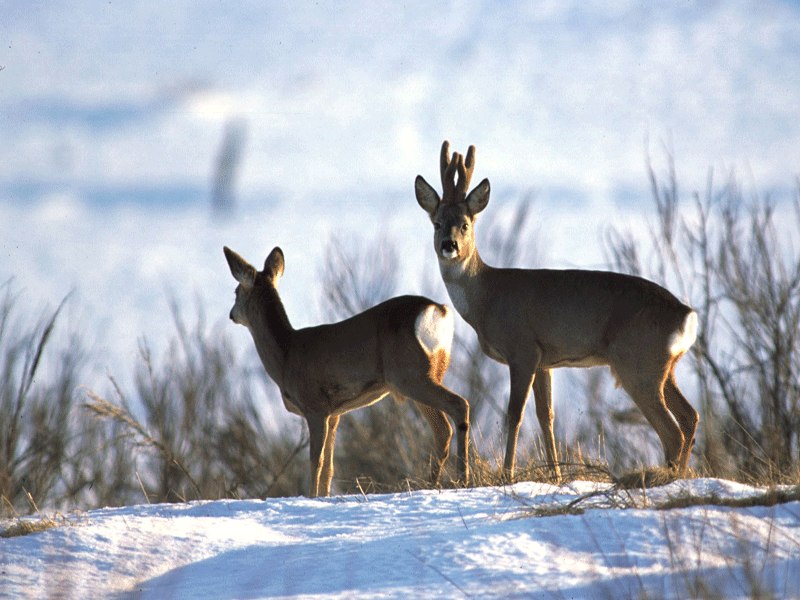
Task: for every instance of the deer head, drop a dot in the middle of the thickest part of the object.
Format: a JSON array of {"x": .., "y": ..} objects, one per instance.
[
  {"x": 453, "y": 215},
  {"x": 252, "y": 284}
]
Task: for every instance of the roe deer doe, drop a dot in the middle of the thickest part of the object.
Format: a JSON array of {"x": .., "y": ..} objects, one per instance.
[
  {"x": 401, "y": 346},
  {"x": 537, "y": 320}
]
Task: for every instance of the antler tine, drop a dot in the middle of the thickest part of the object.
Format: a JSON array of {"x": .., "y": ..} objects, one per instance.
[
  {"x": 465, "y": 169},
  {"x": 444, "y": 158},
  {"x": 448, "y": 167}
]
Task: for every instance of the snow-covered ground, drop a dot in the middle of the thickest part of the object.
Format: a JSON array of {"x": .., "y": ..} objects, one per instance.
[{"x": 467, "y": 543}]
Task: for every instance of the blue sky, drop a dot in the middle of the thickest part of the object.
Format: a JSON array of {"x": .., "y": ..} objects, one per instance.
[
  {"x": 110, "y": 94},
  {"x": 112, "y": 116}
]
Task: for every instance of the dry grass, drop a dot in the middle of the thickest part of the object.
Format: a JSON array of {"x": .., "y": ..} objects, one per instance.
[
  {"x": 619, "y": 497},
  {"x": 38, "y": 523},
  {"x": 26, "y": 526}
]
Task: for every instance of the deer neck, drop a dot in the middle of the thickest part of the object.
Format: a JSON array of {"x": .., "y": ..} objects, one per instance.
[
  {"x": 463, "y": 283},
  {"x": 272, "y": 334}
]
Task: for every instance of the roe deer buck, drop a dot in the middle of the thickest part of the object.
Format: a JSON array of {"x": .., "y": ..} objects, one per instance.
[
  {"x": 537, "y": 320},
  {"x": 401, "y": 346}
]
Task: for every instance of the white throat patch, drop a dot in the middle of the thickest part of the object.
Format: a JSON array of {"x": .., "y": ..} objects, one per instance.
[{"x": 458, "y": 296}]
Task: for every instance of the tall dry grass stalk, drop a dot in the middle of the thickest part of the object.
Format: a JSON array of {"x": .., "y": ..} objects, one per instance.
[
  {"x": 42, "y": 449},
  {"x": 195, "y": 425}
]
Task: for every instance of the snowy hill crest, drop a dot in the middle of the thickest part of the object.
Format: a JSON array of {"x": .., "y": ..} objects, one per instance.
[{"x": 468, "y": 543}]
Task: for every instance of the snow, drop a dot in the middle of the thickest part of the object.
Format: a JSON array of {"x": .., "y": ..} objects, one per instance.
[{"x": 461, "y": 543}]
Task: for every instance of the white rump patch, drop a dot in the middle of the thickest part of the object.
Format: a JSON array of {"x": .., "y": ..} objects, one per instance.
[
  {"x": 434, "y": 330},
  {"x": 681, "y": 341}
]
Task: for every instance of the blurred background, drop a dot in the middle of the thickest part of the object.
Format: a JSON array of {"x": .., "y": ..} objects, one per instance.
[{"x": 138, "y": 138}]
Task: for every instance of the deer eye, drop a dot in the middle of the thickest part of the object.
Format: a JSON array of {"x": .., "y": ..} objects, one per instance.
[
  {"x": 437, "y": 226},
  {"x": 464, "y": 228}
]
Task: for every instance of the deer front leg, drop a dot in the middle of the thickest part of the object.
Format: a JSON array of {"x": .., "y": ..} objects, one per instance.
[
  {"x": 521, "y": 381},
  {"x": 317, "y": 434},
  {"x": 543, "y": 396},
  {"x": 326, "y": 471}
]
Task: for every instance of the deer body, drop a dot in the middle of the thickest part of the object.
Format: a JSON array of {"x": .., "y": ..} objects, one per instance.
[
  {"x": 572, "y": 334},
  {"x": 401, "y": 346},
  {"x": 534, "y": 320}
]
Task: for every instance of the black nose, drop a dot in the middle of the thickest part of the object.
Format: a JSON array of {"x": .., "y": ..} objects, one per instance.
[
  {"x": 230, "y": 316},
  {"x": 449, "y": 246}
]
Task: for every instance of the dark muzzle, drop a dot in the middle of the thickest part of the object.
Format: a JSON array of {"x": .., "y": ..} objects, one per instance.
[{"x": 449, "y": 246}]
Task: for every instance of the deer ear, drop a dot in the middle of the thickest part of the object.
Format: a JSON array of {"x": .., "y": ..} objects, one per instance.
[
  {"x": 426, "y": 196},
  {"x": 273, "y": 266},
  {"x": 242, "y": 271},
  {"x": 478, "y": 198}
]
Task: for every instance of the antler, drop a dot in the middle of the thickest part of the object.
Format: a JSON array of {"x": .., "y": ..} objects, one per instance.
[
  {"x": 465, "y": 169},
  {"x": 452, "y": 190}
]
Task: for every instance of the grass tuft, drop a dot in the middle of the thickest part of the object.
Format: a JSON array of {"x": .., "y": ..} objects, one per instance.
[
  {"x": 27, "y": 526},
  {"x": 21, "y": 528},
  {"x": 644, "y": 478}
]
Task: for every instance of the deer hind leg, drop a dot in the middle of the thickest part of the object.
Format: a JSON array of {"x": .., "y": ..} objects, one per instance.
[
  {"x": 428, "y": 391},
  {"x": 543, "y": 397},
  {"x": 647, "y": 391},
  {"x": 685, "y": 414},
  {"x": 442, "y": 434}
]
